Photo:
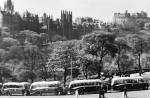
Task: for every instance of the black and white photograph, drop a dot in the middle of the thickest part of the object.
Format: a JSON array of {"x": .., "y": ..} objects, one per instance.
[{"x": 75, "y": 48}]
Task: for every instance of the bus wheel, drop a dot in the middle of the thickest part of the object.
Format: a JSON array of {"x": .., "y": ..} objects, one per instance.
[
  {"x": 40, "y": 93},
  {"x": 8, "y": 93},
  {"x": 58, "y": 93}
]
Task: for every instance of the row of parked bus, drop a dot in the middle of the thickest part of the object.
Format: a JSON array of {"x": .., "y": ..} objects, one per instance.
[
  {"x": 36, "y": 88},
  {"x": 83, "y": 86}
]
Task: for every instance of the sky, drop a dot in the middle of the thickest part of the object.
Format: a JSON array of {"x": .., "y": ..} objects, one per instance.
[{"x": 100, "y": 9}]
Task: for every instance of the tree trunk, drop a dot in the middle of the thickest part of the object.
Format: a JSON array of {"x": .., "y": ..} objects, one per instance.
[
  {"x": 86, "y": 76},
  {"x": 65, "y": 75},
  {"x": 54, "y": 77},
  {"x": 140, "y": 70},
  {"x": 119, "y": 61},
  {"x": 99, "y": 74},
  {"x": 32, "y": 80},
  {"x": 119, "y": 67},
  {"x": 99, "y": 68},
  {"x": 44, "y": 78}
]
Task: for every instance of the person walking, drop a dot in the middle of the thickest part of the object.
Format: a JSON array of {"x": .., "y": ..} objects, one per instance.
[
  {"x": 125, "y": 92},
  {"x": 76, "y": 93},
  {"x": 101, "y": 92}
]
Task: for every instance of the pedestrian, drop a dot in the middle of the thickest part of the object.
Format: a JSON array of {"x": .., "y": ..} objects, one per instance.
[
  {"x": 76, "y": 93},
  {"x": 101, "y": 92},
  {"x": 125, "y": 91}
]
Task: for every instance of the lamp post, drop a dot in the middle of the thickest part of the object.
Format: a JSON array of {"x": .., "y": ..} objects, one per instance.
[
  {"x": 71, "y": 68},
  {"x": 70, "y": 58}
]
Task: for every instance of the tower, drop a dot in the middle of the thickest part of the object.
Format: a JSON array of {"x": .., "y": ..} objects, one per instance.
[
  {"x": 66, "y": 24},
  {"x": 9, "y": 6}
]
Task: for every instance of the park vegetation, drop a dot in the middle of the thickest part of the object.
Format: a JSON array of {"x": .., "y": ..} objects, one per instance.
[{"x": 31, "y": 56}]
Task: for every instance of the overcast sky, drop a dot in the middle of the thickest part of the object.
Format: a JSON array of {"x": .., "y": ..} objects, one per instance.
[{"x": 101, "y": 9}]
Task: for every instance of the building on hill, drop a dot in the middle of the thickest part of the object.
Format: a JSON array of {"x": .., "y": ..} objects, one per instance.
[
  {"x": 66, "y": 24},
  {"x": 9, "y": 18},
  {"x": 11, "y": 21},
  {"x": 9, "y": 6},
  {"x": 121, "y": 18},
  {"x": 50, "y": 26},
  {"x": 88, "y": 21}
]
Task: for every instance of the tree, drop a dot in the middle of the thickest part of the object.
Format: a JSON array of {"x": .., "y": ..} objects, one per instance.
[
  {"x": 64, "y": 55},
  {"x": 3, "y": 55},
  {"x": 25, "y": 75},
  {"x": 30, "y": 22},
  {"x": 86, "y": 62},
  {"x": 126, "y": 63},
  {"x": 5, "y": 73},
  {"x": 140, "y": 45},
  {"x": 35, "y": 51},
  {"x": 129, "y": 26},
  {"x": 8, "y": 42},
  {"x": 15, "y": 52},
  {"x": 122, "y": 49},
  {"x": 31, "y": 59},
  {"x": 100, "y": 45}
]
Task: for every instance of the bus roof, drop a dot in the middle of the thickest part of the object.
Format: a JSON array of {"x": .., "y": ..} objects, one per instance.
[
  {"x": 123, "y": 78},
  {"x": 12, "y": 83},
  {"x": 118, "y": 78},
  {"x": 24, "y": 82},
  {"x": 45, "y": 82},
  {"x": 84, "y": 81}
]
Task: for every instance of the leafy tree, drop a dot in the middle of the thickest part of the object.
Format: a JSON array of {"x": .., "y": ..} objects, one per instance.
[
  {"x": 140, "y": 45},
  {"x": 5, "y": 73},
  {"x": 123, "y": 47},
  {"x": 86, "y": 62},
  {"x": 126, "y": 63},
  {"x": 3, "y": 55},
  {"x": 58, "y": 38},
  {"x": 21, "y": 37},
  {"x": 42, "y": 66},
  {"x": 64, "y": 55},
  {"x": 15, "y": 52},
  {"x": 8, "y": 42},
  {"x": 30, "y": 22},
  {"x": 100, "y": 45},
  {"x": 26, "y": 75},
  {"x": 31, "y": 58},
  {"x": 129, "y": 26}
]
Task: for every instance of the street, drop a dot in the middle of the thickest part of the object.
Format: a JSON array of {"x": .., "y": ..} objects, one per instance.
[{"x": 131, "y": 94}]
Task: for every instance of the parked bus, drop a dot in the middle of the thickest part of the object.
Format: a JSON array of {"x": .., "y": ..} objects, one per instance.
[
  {"x": 46, "y": 88},
  {"x": 132, "y": 83},
  {"x": 15, "y": 88},
  {"x": 86, "y": 86}
]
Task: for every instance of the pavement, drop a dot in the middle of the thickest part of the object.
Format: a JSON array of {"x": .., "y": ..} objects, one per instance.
[{"x": 131, "y": 94}]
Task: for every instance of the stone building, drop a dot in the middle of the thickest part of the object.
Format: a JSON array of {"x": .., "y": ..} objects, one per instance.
[
  {"x": 121, "y": 18},
  {"x": 66, "y": 24},
  {"x": 9, "y": 18}
]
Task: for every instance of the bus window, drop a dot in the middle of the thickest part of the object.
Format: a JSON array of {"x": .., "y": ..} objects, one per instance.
[{"x": 82, "y": 84}]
